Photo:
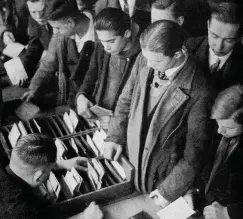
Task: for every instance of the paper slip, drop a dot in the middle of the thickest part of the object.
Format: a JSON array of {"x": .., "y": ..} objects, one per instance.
[
  {"x": 22, "y": 128},
  {"x": 99, "y": 168},
  {"x": 74, "y": 118},
  {"x": 73, "y": 180},
  {"x": 37, "y": 125},
  {"x": 74, "y": 146},
  {"x": 94, "y": 175},
  {"x": 55, "y": 185},
  {"x": 14, "y": 135},
  {"x": 61, "y": 148},
  {"x": 100, "y": 111},
  {"x": 15, "y": 70},
  {"x": 98, "y": 138},
  {"x": 13, "y": 49},
  {"x": 68, "y": 122},
  {"x": 179, "y": 209},
  {"x": 91, "y": 144},
  {"x": 119, "y": 169}
]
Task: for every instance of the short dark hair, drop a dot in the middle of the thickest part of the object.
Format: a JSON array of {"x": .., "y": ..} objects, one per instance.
[
  {"x": 113, "y": 19},
  {"x": 61, "y": 9},
  {"x": 177, "y": 6},
  {"x": 36, "y": 150},
  {"x": 163, "y": 36},
  {"x": 32, "y": 0},
  {"x": 229, "y": 104},
  {"x": 227, "y": 12}
]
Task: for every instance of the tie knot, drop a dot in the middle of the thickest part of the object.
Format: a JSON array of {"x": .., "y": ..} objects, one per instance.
[
  {"x": 162, "y": 76},
  {"x": 214, "y": 67}
]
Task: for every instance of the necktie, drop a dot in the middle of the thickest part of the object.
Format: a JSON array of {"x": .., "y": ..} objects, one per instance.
[
  {"x": 214, "y": 67},
  {"x": 162, "y": 76}
]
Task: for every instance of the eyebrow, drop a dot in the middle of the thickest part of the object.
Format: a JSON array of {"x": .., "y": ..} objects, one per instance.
[
  {"x": 108, "y": 40},
  {"x": 230, "y": 38}
]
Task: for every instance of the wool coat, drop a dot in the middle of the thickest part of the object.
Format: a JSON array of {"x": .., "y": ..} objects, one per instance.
[
  {"x": 230, "y": 73},
  {"x": 62, "y": 57},
  {"x": 167, "y": 151}
]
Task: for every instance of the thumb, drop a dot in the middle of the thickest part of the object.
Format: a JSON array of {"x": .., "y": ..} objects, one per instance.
[
  {"x": 11, "y": 36},
  {"x": 118, "y": 152}
]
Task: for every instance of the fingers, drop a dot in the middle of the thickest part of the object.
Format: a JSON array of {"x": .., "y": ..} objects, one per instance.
[
  {"x": 11, "y": 36},
  {"x": 81, "y": 164},
  {"x": 27, "y": 96},
  {"x": 118, "y": 152}
]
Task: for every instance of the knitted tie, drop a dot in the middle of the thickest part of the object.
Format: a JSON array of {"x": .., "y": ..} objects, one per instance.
[
  {"x": 214, "y": 67},
  {"x": 126, "y": 7}
]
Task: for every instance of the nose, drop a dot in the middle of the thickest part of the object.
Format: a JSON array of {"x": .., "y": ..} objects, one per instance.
[
  {"x": 221, "y": 130},
  {"x": 106, "y": 46},
  {"x": 38, "y": 15},
  {"x": 219, "y": 45}
]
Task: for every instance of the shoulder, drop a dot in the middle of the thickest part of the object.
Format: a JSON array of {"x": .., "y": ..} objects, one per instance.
[{"x": 195, "y": 42}]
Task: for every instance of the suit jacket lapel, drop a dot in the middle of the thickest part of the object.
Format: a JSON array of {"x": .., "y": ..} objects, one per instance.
[{"x": 202, "y": 54}]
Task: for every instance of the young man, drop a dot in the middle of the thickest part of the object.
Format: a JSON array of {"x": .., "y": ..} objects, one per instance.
[
  {"x": 110, "y": 65},
  {"x": 162, "y": 115},
  {"x": 31, "y": 162},
  {"x": 220, "y": 53},
  {"x": 172, "y": 10},
  {"x": 56, "y": 80}
]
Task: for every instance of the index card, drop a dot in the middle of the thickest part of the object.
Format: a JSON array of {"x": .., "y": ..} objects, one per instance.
[
  {"x": 14, "y": 135},
  {"x": 179, "y": 209}
]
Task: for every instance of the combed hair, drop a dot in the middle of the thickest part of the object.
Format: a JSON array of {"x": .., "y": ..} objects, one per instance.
[
  {"x": 227, "y": 12},
  {"x": 229, "y": 104},
  {"x": 36, "y": 149},
  {"x": 113, "y": 19},
  {"x": 177, "y": 6},
  {"x": 61, "y": 9},
  {"x": 163, "y": 36},
  {"x": 32, "y": 0}
]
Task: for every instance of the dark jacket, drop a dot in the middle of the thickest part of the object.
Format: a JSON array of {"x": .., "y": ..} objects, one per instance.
[
  {"x": 17, "y": 201},
  {"x": 230, "y": 73},
  {"x": 169, "y": 155},
  {"x": 16, "y": 21},
  {"x": 62, "y": 57},
  {"x": 39, "y": 38},
  {"x": 94, "y": 84},
  {"x": 226, "y": 185}
]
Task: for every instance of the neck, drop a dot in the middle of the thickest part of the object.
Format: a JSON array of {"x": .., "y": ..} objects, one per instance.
[{"x": 128, "y": 46}]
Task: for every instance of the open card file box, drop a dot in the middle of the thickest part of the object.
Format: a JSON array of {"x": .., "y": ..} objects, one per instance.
[{"x": 75, "y": 189}]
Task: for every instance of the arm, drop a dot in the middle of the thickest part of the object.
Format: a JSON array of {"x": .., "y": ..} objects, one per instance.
[
  {"x": 48, "y": 67},
  {"x": 31, "y": 56},
  {"x": 185, "y": 171},
  {"x": 117, "y": 132}
]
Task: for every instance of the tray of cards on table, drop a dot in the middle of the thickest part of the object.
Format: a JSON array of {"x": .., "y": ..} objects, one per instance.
[{"x": 104, "y": 181}]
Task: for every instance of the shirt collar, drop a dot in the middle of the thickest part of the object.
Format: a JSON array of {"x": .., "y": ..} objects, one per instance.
[
  {"x": 222, "y": 59},
  {"x": 171, "y": 73}
]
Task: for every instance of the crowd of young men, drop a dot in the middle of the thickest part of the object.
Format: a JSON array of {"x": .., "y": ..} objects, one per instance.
[{"x": 142, "y": 61}]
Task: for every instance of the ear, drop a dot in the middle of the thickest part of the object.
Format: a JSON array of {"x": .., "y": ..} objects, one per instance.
[
  {"x": 180, "y": 20},
  {"x": 208, "y": 22},
  {"x": 37, "y": 178},
  {"x": 71, "y": 22},
  {"x": 178, "y": 54},
  {"x": 128, "y": 34}
]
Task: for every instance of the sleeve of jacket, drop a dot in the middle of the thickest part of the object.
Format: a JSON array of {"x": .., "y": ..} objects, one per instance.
[
  {"x": 31, "y": 56},
  {"x": 48, "y": 67},
  {"x": 182, "y": 176},
  {"x": 91, "y": 78},
  {"x": 117, "y": 131}
]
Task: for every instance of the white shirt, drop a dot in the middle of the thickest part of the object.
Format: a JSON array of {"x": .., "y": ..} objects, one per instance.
[
  {"x": 213, "y": 58},
  {"x": 131, "y": 5}
]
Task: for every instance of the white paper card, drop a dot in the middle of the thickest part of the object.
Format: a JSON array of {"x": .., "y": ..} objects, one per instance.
[
  {"x": 13, "y": 49},
  {"x": 119, "y": 169},
  {"x": 179, "y": 209},
  {"x": 68, "y": 122},
  {"x": 74, "y": 118},
  {"x": 15, "y": 70},
  {"x": 14, "y": 135},
  {"x": 98, "y": 138}
]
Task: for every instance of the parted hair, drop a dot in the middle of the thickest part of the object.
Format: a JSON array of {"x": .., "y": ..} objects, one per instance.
[
  {"x": 113, "y": 19},
  {"x": 228, "y": 12},
  {"x": 163, "y": 36},
  {"x": 177, "y": 6},
  {"x": 36, "y": 150},
  {"x": 229, "y": 104},
  {"x": 61, "y": 9}
]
